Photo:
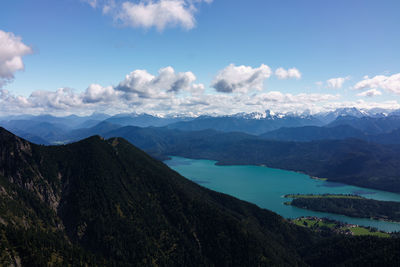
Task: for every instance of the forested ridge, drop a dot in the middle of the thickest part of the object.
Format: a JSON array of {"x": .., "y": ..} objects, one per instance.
[{"x": 106, "y": 203}]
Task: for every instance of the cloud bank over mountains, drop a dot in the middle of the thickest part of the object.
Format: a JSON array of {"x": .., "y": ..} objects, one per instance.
[
  {"x": 235, "y": 88},
  {"x": 172, "y": 92}
]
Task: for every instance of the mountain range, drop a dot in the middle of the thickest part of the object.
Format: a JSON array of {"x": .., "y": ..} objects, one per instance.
[{"x": 360, "y": 150}]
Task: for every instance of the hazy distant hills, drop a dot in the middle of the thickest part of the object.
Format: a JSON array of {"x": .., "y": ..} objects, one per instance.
[
  {"x": 48, "y": 129},
  {"x": 369, "y": 125},
  {"x": 106, "y": 203},
  {"x": 161, "y": 142},
  {"x": 144, "y": 120},
  {"x": 350, "y": 161},
  {"x": 385, "y": 130},
  {"x": 312, "y": 133},
  {"x": 360, "y": 149},
  {"x": 237, "y": 124}
]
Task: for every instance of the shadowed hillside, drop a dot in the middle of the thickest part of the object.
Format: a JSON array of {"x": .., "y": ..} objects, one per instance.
[{"x": 105, "y": 202}]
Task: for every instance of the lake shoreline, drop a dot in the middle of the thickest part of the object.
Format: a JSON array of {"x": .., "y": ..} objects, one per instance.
[
  {"x": 266, "y": 187},
  {"x": 219, "y": 163}
]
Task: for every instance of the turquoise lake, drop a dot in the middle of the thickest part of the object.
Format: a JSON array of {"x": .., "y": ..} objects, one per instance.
[{"x": 266, "y": 187}]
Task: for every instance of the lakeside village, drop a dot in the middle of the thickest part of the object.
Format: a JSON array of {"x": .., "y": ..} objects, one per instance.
[{"x": 329, "y": 225}]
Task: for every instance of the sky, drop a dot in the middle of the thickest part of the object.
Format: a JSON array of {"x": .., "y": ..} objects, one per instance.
[{"x": 197, "y": 57}]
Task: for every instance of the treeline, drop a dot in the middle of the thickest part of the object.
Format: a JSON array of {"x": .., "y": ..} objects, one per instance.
[{"x": 361, "y": 208}]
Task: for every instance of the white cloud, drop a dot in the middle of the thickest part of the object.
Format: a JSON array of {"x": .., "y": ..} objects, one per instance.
[
  {"x": 96, "y": 93},
  {"x": 370, "y": 93},
  {"x": 61, "y": 99},
  {"x": 241, "y": 78},
  {"x": 157, "y": 14},
  {"x": 388, "y": 83},
  {"x": 146, "y": 85},
  {"x": 171, "y": 92},
  {"x": 281, "y": 73},
  {"x": 12, "y": 49},
  {"x": 151, "y": 13},
  {"x": 336, "y": 83},
  {"x": 146, "y": 14}
]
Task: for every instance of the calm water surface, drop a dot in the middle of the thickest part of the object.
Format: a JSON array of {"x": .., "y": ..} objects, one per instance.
[{"x": 266, "y": 187}]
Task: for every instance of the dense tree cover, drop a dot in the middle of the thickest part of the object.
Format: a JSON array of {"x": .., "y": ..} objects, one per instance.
[
  {"x": 338, "y": 132},
  {"x": 353, "y": 251},
  {"x": 104, "y": 202},
  {"x": 111, "y": 200},
  {"x": 362, "y": 207}
]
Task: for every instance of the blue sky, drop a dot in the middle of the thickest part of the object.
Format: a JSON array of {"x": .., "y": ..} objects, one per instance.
[{"x": 75, "y": 44}]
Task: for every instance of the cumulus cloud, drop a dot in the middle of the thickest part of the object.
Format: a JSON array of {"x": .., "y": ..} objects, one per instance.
[
  {"x": 139, "y": 89},
  {"x": 282, "y": 74},
  {"x": 241, "y": 78},
  {"x": 336, "y": 83},
  {"x": 146, "y": 85},
  {"x": 61, "y": 99},
  {"x": 172, "y": 92},
  {"x": 146, "y": 14},
  {"x": 388, "y": 83},
  {"x": 370, "y": 93},
  {"x": 96, "y": 93},
  {"x": 12, "y": 49},
  {"x": 157, "y": 14}
]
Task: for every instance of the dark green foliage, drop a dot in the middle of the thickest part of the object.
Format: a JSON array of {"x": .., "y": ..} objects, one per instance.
[
  {"x": 354, "y": 251},
  {"x": 362, "y": 208},
  {"x": 115, "y": 202},
  {"x": 106, "y": 203},
  {"x": 40, "y": 248}
]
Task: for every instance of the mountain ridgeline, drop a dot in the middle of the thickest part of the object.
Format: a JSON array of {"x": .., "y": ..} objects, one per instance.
[
  {"x": 350, "y": 147},
  {"x": 105, "y": 202},
  {"x": 341, "y": 124}
]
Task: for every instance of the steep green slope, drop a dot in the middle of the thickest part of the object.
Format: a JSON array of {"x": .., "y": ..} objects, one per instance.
[
  {"x": 106, "y": 203},
  {"x": 111, "y": 200}
]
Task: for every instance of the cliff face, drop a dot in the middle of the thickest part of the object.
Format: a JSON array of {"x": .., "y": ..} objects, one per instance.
[{"x": 20, "y": 165}]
